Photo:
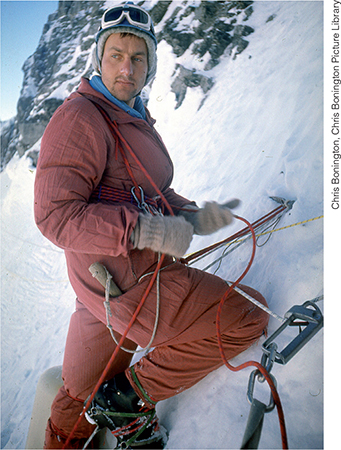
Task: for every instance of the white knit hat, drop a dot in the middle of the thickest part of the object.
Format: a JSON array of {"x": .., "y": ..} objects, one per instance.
[{"x": 97, "y": 53}]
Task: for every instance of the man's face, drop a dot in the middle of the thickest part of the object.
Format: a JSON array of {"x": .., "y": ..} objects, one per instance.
[{"x": 124, "y": 66}]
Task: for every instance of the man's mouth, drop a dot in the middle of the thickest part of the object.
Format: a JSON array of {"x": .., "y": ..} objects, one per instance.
[{"x": 125, "y": 82}]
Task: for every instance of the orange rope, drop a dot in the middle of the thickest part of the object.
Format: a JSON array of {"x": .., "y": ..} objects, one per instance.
[
  {"x": 237, "y": 235},
  {"x": 261, "y": 368}
]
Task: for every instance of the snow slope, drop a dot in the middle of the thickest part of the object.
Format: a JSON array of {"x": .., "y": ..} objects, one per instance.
[{"x": 259, "y": 133}]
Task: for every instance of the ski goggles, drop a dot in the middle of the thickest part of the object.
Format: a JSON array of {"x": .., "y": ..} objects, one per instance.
[{"x": 134, "y": 15}]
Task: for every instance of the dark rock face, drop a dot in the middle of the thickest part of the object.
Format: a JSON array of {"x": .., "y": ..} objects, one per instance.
[
  {"x": 205, "y": 31},
  {"x": 185, "y": 78}
]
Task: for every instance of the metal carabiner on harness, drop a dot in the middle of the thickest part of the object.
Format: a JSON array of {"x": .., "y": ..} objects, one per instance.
[
  {"x": 144, "y": 206},
  {"x": 141, "y": 204}
]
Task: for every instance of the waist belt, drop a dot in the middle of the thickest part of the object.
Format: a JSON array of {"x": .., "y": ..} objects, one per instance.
[{"x": 111, "y": 194}]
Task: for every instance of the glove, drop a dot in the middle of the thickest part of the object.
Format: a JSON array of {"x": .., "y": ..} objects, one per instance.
[
  {"x": 211, "y": 217},
  {"x": 166, "y": 234}
]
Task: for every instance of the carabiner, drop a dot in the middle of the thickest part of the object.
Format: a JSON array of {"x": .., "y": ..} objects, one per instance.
[
  {"x": 312, "y": 320},
  {"x": 268, "y": 360},
  {"x": 251, "y": 387},
  {"x": 141, "y": 204}
]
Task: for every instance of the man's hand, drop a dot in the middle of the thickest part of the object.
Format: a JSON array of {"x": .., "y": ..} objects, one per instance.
[
  {"x": 211, "y": 217},
  {"x": 166, "y": 234}
]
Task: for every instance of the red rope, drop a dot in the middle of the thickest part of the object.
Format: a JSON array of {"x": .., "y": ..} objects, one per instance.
[
  {"x": 114, "y": 128},
  {"x": 256, "y": 364},
  {"x": 237, "y": 235},
  {"x": 150, "y": 179}
]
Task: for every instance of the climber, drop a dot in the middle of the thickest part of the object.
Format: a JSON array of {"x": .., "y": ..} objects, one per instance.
[{"x": 86, "y": 204}]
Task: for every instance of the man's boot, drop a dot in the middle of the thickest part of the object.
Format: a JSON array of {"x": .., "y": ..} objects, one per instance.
[{"x": 117, "y": 407}]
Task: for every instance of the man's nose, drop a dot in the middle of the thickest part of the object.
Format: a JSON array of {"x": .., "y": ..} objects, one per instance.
[{"x": 127, "y": 67}]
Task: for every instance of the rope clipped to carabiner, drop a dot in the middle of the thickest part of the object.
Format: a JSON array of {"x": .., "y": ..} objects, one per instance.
[{"x": 261, "y": 369}]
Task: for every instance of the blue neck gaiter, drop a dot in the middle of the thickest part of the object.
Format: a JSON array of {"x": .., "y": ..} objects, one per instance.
[{"x": 138, "y": 110}]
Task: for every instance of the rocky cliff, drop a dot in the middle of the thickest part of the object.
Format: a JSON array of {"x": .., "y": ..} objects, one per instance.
[{"x": 200, "y": 33}]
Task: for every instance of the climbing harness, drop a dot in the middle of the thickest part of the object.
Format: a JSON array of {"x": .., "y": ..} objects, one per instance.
[
  {"x": 309, "y": 314},
  {"x": 108, "y": 193}
]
